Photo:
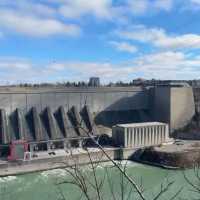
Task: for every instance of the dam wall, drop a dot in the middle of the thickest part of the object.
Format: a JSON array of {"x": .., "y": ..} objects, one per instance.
[
  {"x": 55, "y": 113},
  {"x": 51, "y": 114},
  {"x": 98, "y": 99}
]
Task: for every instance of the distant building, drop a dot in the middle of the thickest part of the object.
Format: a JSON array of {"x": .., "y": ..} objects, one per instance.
[{"x": 94, "y": 82}]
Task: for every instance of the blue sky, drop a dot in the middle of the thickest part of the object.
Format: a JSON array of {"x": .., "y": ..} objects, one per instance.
[{"x": 71, "y": 40}]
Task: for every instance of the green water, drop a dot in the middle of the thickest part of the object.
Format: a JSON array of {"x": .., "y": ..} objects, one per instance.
[{"x": 43, "y": 185}]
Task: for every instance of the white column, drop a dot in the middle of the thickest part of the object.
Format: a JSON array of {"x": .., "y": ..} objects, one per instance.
[
  {"x": 146, "y": 136},
  {"x": 163, "y": 133},
  {"x": 159, "y": 131},
  {"x": 166, "y": 132},
  {"x": 128, "y": 136},
  {"x": 132, "y": 137},
  {"x": 153, "y": 135},
  {"x": 150, "y": 135},
  {"x": 143, "y": 136},
  {"x": 156, "y": 134},
  {"x": 125, "y": 137},
  {"x": 135, "y": 141},
  {"x": 159, "y": 134},
  {"x": 140, "y": 137}
]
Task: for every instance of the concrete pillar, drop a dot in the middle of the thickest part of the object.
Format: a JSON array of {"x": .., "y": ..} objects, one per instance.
[
  {"x": 143, "y": 134},
  {"x": 125, "y": 139},
  {"x": 51, "y": 124},
  {"x": 156, "y": 134},
  {"x": 166, "y": 132},
  {"x": 163, "y": 133},
  {"x": 4, "y": 131},
  {"x": 146, "y": 135},
  {"x": 128, "y": 137},
  {"x": 77, "y": 121},
  {"x": 153, "y": 135},
  {"x": 136, "y": 137},
  {"x": 37, "y": 127},
  {"x": 20, "y": 124},
  {"x": 132, "y": 137},
  {"x": 150, "y": 135},
  {"x": 160, "y": 134},
  {"x": 139, "y": 136}
]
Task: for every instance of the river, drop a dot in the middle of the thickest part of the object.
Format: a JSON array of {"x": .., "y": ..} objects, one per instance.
[{"x": 43, "y": 185}]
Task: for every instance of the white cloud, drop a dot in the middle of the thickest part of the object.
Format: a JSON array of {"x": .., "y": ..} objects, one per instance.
[
  {"x": 168, "y": 65},
  {"x": 159, "y": 38},
  {"x": 164, "y": 4},
  {"x": 84, "y": 70},
  {"x": 162, "y": 65},
  {"x": 35, "y": 26},
  {"x": 195, "y": 1},
  {"x": 78, "y": 8},
  {"x": 28, "y": 7},
  {"x": 138, "y": 7},
  {"x": 124, "y": 46},
  {"x": 145, "y": 7},
  {"x": 1, "y": 35},
  {"x": 15, "y": 64}
]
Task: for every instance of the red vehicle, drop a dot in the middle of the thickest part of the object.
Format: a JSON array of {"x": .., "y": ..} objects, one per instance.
[{"x": 17, "y": 149}]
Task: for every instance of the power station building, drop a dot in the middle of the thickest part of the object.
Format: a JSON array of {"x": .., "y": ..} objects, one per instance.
[{"x": 137, "y": 135}]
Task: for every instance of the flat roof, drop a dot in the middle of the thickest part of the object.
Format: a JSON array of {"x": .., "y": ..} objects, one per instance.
[{"x": 140, "y": 124}]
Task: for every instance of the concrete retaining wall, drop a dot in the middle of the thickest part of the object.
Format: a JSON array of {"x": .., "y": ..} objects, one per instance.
[{"x": 173, "y": 105}]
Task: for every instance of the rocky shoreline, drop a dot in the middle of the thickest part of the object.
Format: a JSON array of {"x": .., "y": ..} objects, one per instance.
[{"x": 180, "y": 155}]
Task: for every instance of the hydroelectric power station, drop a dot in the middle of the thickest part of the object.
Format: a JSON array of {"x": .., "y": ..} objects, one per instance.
[{"x": 46, "y": 119}]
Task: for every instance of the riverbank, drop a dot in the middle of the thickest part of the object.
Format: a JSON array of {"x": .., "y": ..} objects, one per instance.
[
  {"x": 179, "y": 155},
  {"x": 62, "y": 159}
]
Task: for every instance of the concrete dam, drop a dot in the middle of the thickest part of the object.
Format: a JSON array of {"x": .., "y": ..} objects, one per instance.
[{"x": 44, "y": 114}]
